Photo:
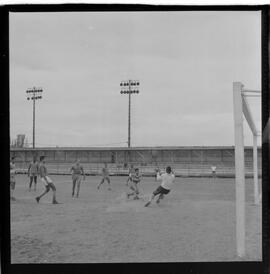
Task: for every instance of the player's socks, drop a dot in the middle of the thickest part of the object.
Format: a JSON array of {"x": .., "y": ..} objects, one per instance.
[{"x": 37, "y": 199}]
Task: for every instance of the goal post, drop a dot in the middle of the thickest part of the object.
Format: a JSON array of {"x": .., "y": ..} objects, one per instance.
[
  {"x": 252, "y": 126},
  {"x": 239, "y": 168},
  {"x": 241, "y": 110}
]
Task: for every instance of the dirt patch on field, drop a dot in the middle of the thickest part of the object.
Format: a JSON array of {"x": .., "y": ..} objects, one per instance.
[{"x": 195, "y": 222}]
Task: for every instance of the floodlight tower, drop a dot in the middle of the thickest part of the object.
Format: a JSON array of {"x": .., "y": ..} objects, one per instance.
[
  {"x": 34, "y": 94},
  {"x": 129, "y": 87}
]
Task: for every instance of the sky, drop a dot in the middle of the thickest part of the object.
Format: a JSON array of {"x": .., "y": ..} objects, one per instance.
[{"x": 186, "y": 63}]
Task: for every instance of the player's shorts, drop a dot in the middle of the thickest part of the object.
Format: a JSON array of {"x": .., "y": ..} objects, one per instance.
[
  {"x": 48, "y": 184},
  {"x": 76, "y": 177},
  {"x": 33, "y": 175},
  {"x": 48, "y": 180},
  {"x": 161, "y": 190}
]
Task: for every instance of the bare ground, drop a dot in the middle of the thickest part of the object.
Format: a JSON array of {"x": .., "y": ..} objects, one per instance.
[{"x": 195, "y": 222}]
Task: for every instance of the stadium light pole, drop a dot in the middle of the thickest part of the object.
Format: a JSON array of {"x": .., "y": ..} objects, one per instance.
[
  {"x": 129, "y": 87},
  {"x": 34, "y": 94}
]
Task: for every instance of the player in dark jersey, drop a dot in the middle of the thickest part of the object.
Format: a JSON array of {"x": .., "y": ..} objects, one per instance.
[
  {"x": 33, "y": 173},
  {"x": 12, "y": 178},
  {"x": 77, "y": 173},
  {"x": 46, "y": 180},
  {"x": 133, "y": 185},
  {"x": 105, "y": 176}
]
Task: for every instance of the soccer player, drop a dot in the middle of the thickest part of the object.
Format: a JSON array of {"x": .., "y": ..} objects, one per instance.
[
  {"x": 165, "y": 187},
  {"x": 213, "y": 170},
  {"x": 131, "y": 172},
  {"x": 46, "y": 180},
  {"x": 77, "y": 172},
  {"x": 105, "y": 176},
  {"x": 12, "y": 178},
  {"x": 135, "y": 180},
  {"x": 33, "y": 173}
]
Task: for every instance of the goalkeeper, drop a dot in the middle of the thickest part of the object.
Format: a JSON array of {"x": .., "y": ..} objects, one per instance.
[{"x": 167, "y": 180}]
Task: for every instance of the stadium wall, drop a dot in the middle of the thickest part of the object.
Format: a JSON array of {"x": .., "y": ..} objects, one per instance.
[{"x": 186, "y": 161}]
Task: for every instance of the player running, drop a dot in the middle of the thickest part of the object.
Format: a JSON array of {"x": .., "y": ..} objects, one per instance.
[
  {"x": 105, "y": 176},
  {"x": 131, "y": 172},
  {"x": 165, "y": 187},
  {"x": 46, "y": 180},
  {"x": 33, "y": 173},
  {"x": 77, "y": 172},
  {"x": 133, "y": 185},
  {"x": 12, "y": 178}
]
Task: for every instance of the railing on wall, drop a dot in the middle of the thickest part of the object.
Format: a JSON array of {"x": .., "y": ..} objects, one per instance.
[{"x": 186, "y": 169}]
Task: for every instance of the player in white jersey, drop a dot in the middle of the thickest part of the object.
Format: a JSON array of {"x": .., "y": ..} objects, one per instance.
[
  {"x": 167, "y": 180},
  {"x": 213, "y": 170}
]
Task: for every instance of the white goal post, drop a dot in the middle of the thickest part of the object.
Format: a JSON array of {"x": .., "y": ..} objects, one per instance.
[{"x": 241, "y": 110}]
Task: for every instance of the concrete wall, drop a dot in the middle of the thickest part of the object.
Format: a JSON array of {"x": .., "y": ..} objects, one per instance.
[{"x": 184, "y": 160}]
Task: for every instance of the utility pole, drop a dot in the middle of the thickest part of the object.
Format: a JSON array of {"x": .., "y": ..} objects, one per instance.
[
  {"x": 34, "y": 94},
  {"x": 129, "y": 87}
]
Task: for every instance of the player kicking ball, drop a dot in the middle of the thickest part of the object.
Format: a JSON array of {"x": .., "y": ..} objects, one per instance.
[
  {"x": 133, "y": 185},
  {"x": 77, "y": 173},
  {"x": 105, "y": 176},
  {"x": 167, "y": 180},
  {"x": 46, "y": 180}
]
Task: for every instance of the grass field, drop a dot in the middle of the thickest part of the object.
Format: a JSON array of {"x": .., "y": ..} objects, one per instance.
[{"x": 195, "y": 222}]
